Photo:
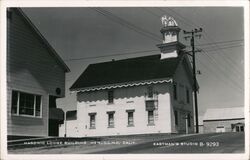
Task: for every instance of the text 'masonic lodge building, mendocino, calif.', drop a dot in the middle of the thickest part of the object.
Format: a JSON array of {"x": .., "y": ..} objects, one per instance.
[{"x": 142, "y": 95}]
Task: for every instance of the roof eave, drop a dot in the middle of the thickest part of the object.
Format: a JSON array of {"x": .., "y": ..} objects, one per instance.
[
  {"x": 51, "y": 49},
  {"x": 121, "y": 85}
]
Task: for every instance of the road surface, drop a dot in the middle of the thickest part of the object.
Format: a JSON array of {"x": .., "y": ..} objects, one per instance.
[
  {"x": 196, "y": 143},
  {"x": 203, "y": 143}
]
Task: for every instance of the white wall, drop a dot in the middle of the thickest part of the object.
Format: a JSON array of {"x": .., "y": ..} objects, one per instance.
[
  {"x": 125, "y": 99},
  {"x": 71, "y": 128}
]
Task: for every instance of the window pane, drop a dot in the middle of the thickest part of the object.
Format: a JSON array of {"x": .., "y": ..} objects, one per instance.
[
  {"x": 189, "y": 120},
  {"x": 150, "y": 117},
  {"x": 242, "y": 128},
  {"x": 92, "y": 121},
  {"x": 176, "y": 117},
  {"x": 110, "y": 96},
  {"x": 38, "y": 106},
  {"x": 150, "y": 92},
  {"x": 130, "y": 118},
  {"x": 111, "y": 119},
  {"x": 26, "y": 104},
  {"x": 14, "y": 102},
  {"x": 187, "y": 95},
  {"x": 150, "y": 105}
]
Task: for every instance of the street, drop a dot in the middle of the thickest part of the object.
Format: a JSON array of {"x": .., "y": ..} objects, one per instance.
[
  {"x": 201, "y": 143},
  {"x": 212, "y": 143}
]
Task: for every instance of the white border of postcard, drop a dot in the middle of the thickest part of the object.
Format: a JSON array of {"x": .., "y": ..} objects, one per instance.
[{"x": 146, "y": 3}]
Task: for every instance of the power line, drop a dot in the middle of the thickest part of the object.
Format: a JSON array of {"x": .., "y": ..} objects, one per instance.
[
  {"x": 226, "y": 58},
  {"x": 109, "y": 55},
  {"x": 222, "y": 72},
  {"x": 127, "y": 24},
  {"x": 220, "y": 42},
  {"x": 126, "y": 53},
  {"x": 211, "y": 50}
]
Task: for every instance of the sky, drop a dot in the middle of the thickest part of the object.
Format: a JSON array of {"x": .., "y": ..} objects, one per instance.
[{"x": 82, "y": 36}]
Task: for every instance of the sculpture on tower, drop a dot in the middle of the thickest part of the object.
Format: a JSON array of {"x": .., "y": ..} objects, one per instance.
[{"x": 168, "y": 21}]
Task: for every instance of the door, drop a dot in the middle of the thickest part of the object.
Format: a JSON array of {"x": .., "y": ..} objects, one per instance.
[
  {"x": 53, "y": 123},
  {"x": 220, "y": 129}
]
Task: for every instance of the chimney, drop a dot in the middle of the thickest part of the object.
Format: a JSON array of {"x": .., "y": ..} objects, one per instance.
[{"x": 170, "y": 46}]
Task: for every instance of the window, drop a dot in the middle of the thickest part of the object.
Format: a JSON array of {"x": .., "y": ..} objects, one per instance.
[
  {"x": 242, "y": 128},
  {"x": 237, "y": 128},
  {"x": 111, "y": 123},
  {"x": 150, "y": 105},
  {"x": 189, "y": 120},
  {"x": 176, "y": 117},
  {"x": 187, "y": 95},
  {"x": 181, "y": 93},
  {"x": 130, "y": 117},
  {"x": 26, "y": 104},
  {"x": 150, "y": 117},
  {"x": 111, "y": 96},
  {"x": 150, "y": 92},
  {"x": 175, "y": 91},
  {"x": 92, "y": 120}
]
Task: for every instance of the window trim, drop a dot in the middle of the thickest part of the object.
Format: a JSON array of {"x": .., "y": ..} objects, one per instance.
[
  {"x": 176, "y": 117},
  {"x": 92, "y": 114},
  {"x": 34, "y": 106},
  {"x": 110, "y": 91},
  {"x": 130, "y": 111},
  {"x": 152, "y": 123},
  {"x": 150, "y": 92},
  {"x": 189, "y": 119},
  {"x": 111, "y": 113}
]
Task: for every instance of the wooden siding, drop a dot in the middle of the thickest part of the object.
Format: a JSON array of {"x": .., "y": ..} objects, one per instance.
[
  {"x": 182, "y": 77},
  {"x": 32, "y": 69}
]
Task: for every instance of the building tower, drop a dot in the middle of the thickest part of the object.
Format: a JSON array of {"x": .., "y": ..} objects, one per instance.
[{"x": 170, "y": 46}]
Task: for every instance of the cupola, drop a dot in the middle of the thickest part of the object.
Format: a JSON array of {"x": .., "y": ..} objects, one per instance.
[{"x": 170, "y": 46}]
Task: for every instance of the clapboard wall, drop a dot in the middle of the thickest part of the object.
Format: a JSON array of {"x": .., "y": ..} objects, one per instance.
[{"x": 31, "y": 68}]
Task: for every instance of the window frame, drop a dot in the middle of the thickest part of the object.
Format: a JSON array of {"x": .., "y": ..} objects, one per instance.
[
  {"x": 128, "y": 122},
  {"x": 151, "y": 123},
  {"x": 110, "y": 96},
  {"x": 189, "y": 119},
  {"x": 91, "y": 126},
  {"x": 150, "y": 91},
  {"x": 176, "y": 117},
  {"x": 18, "y": 104},
  {"x": 109, "y": 119}
]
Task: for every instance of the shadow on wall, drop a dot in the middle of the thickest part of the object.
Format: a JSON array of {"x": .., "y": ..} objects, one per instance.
[{"x": 123, "y": 93}]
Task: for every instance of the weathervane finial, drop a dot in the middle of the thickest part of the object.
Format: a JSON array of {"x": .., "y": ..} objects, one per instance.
[{"x": 168, "y": 21}]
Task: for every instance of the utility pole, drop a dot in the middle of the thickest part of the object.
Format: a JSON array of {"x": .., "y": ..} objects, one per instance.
[{"x": 193, "y": 32}]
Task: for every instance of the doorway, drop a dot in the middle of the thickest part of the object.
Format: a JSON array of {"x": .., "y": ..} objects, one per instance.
[{"x": 56, "y": 117}]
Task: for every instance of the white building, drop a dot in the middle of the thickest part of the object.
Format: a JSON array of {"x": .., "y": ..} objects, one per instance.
[
  {"x": 143, "y": 95},
  {"x": 224, "y": 120}
]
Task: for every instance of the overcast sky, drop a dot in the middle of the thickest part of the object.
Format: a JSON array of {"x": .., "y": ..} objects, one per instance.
[{"x": 77, "y": 34}]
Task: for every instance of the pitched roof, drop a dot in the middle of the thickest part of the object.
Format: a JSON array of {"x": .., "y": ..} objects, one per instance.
[
  {"x": 36, "y": 31},
  {"x": 224, "y": 113},
  {"x": 127, "y": 70}
]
